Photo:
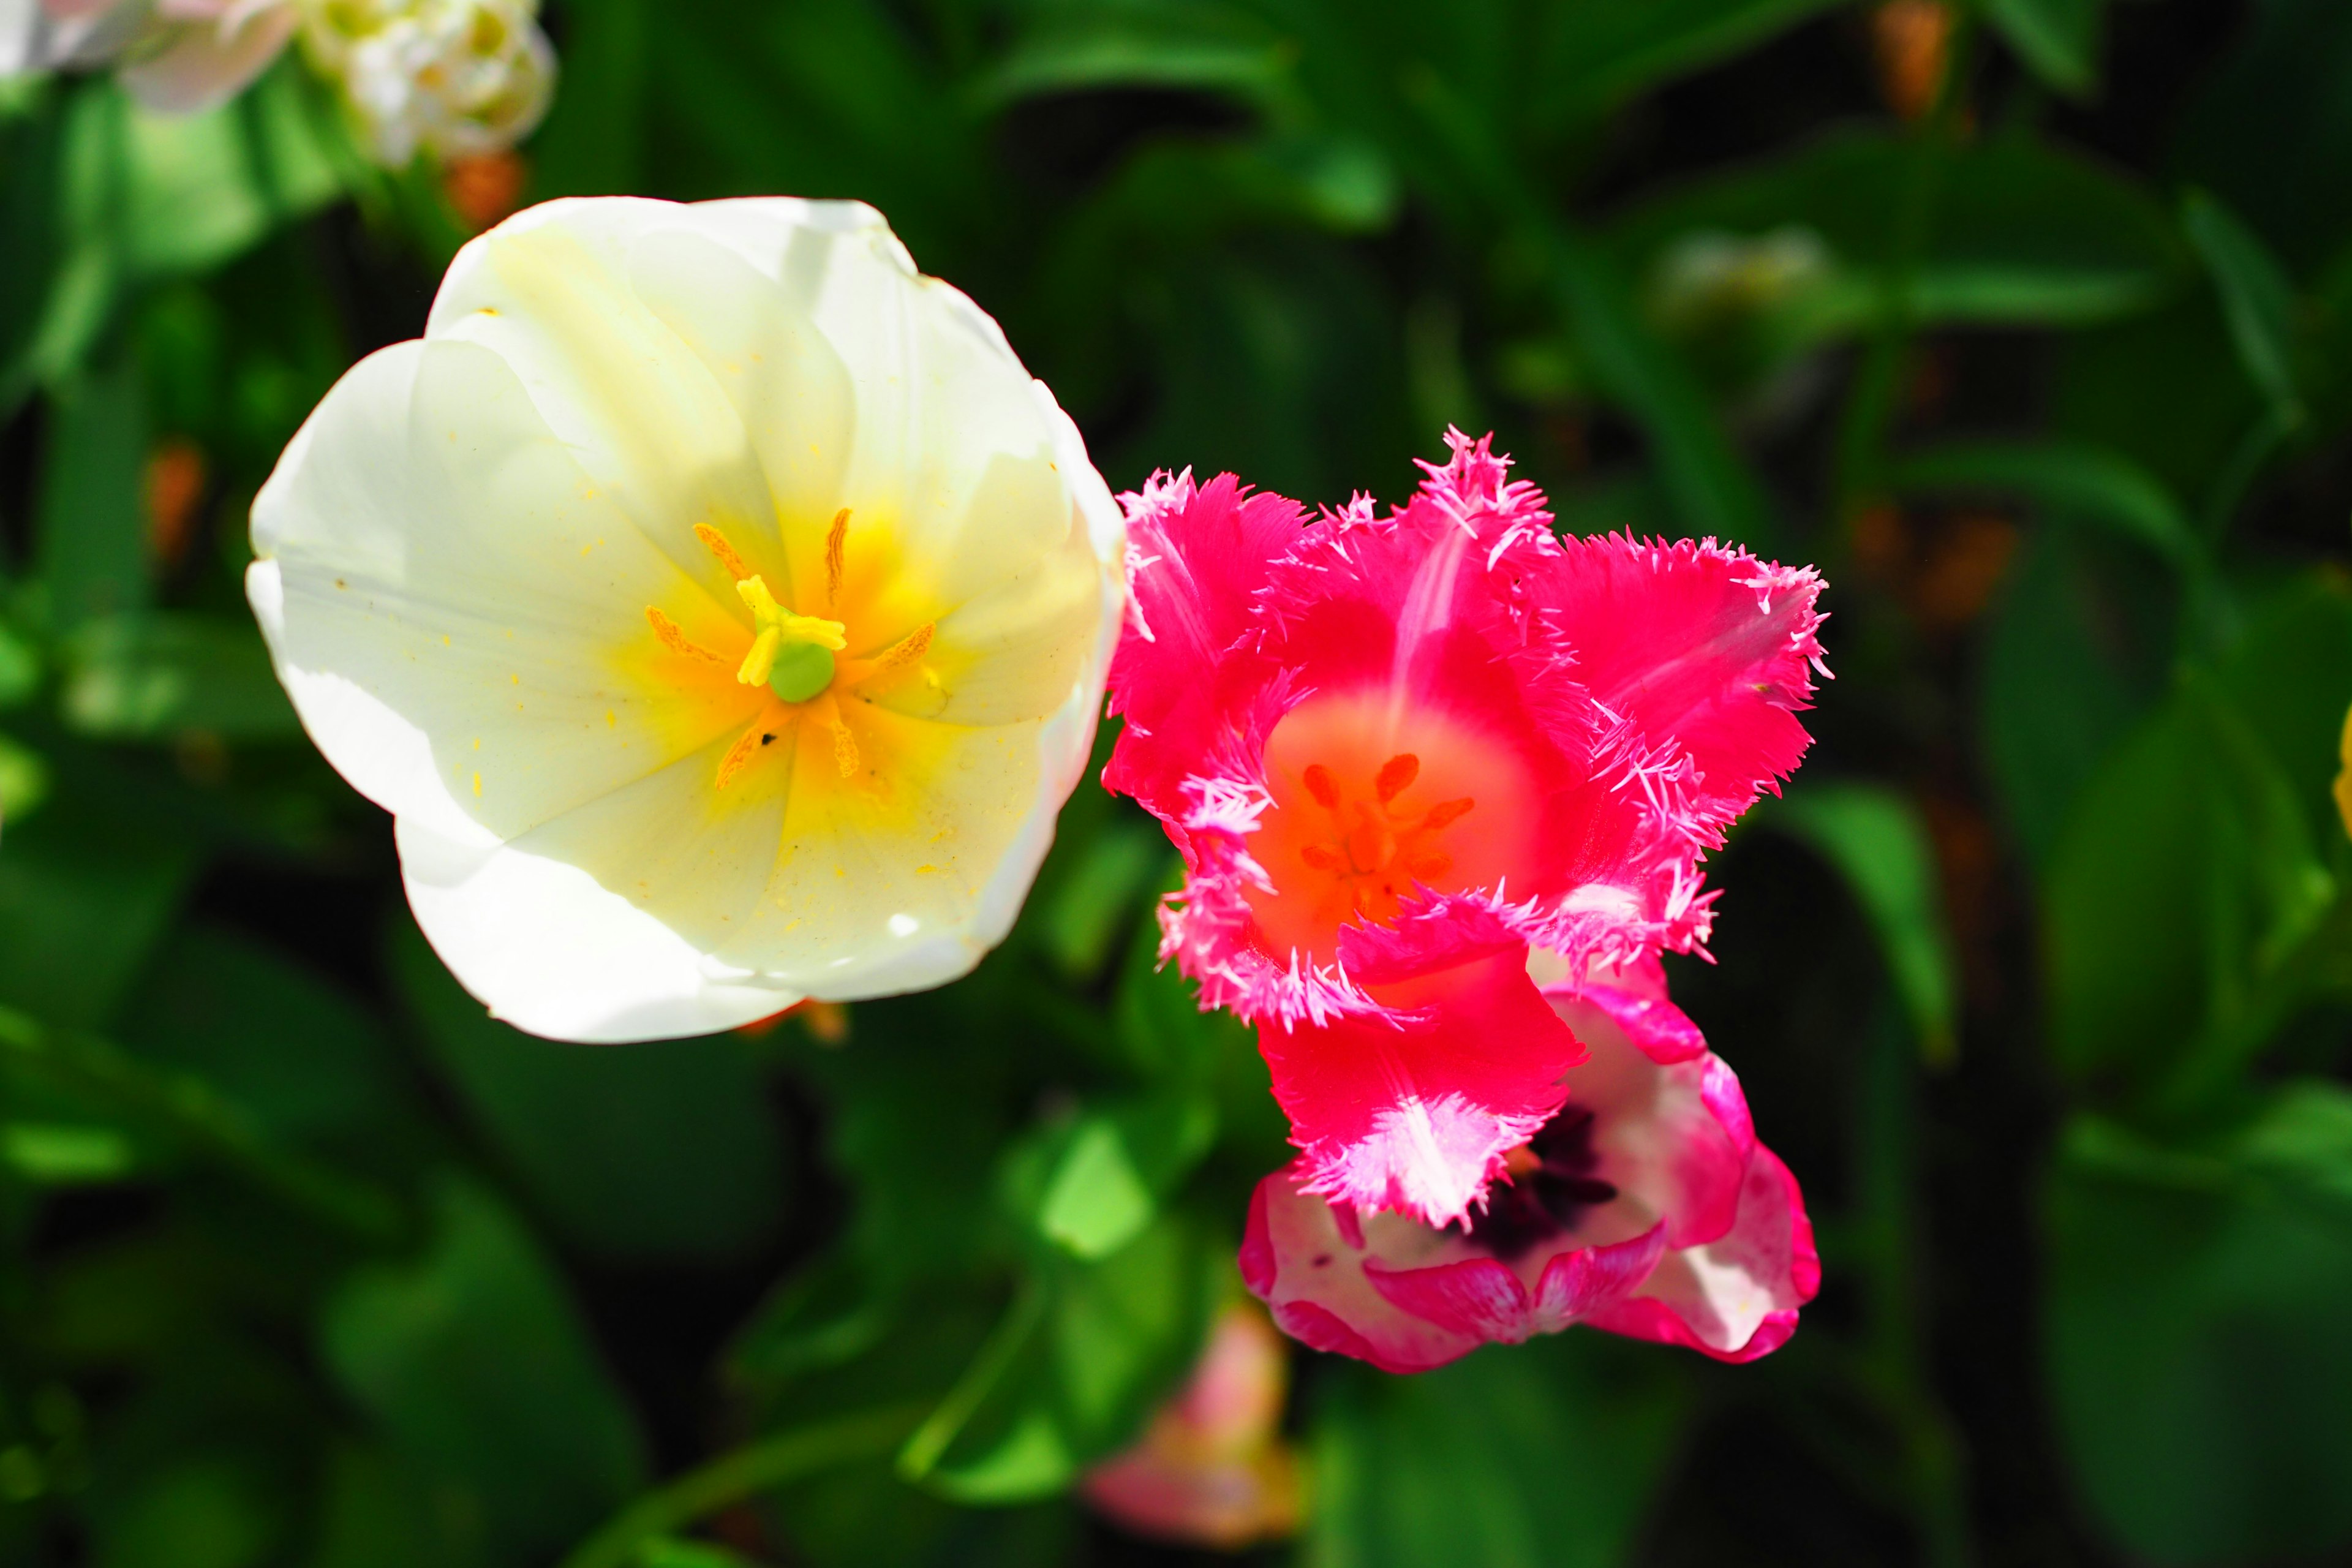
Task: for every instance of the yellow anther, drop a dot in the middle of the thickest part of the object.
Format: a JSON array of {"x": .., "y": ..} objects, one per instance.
[
  {"x": 740, "y": 753},
  {"x": 776, "y": 627},
  {"x": 716, "y": 543}
]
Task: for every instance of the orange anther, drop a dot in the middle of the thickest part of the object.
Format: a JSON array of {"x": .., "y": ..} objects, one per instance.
[
  {"x": 675, "y": 640},
  {"x": 909, "y": 648},
  {"x": 1320, "y": 786},
  {"x": 1396, "y": 776},
  {"x": 834, "y": 542},
  {"x": 1429, "y": 864},
  {"x": 1521, "y": 1162},
  {"x": 738, "y": 754},
  {"x": 1322, "y": 859},
  {"x": 1447, "y": 811},
  {"x": 716, "y": 543}
]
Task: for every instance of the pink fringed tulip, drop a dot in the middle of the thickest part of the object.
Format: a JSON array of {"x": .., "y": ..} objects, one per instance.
[
  {"x": 1399, "y": 751},
  {"x": 1646, "y": 1206}
]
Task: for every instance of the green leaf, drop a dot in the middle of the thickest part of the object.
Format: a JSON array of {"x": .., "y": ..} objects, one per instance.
[
  {"x": 376, "y": 1512},
  {"x": 669, "y": 1552},
  {"x": 1073, "y": 1369},
  {"x": 2186, "y": 877},
  {"x": 1207, "y": 47},
  {"x": 645, "y": 1151},
  {"x": 1876, "y": 839},
  {"x": 92, "y": 520},
  {"x": 1548, "y": 1455},
  {"x": 144, "y": 676},
  {"x": 24, "y": 781},
  {"x": 2257, "y": 300},
  {"x": 2058, "y": 39},
  {"x": 2079, "y": 649},
  {"x": 304, "y": 1059},
  {"x": 86, "y": 887},
  {"x": 2071, "y": 479},
  {"x": 199, "y": 189},
  {"x": 2199, "y": 1367},
  {"x": 2025, "y": 232},
  {"x": 473, "y": 1362},
  {"x": 1091, "y": 1183},
  {"x": 593, "y": 141},
  {"x": 1589, "y": 57},
  {"x": 62, "y": 1154},
  {"x": 1092, "y": 905}
]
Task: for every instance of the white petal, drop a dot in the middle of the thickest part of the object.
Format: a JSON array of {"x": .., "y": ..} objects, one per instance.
[
  {"x": 554, "y": 954},
  {"x": 441, "y": 569}
]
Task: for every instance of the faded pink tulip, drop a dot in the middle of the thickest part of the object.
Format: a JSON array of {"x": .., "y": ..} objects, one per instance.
[
  {"x": 1213, "y": 1469},
  {"x": 1644, "y": 1206},
  {"x": 176, "y": 56},
  {"x": 1399, "y": 751}
]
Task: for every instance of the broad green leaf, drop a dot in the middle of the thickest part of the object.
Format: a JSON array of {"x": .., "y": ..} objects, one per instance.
[
  {"x": 1207, "y": 47},
  {"x": 2058, "y": 39},
  {"x": 302, "y": 1057},
  {"x": 2079, "y": 648},
  {"x": 375, "y": 1512},
  {"x": 1091, "y": 1183},
  {"x": 23, "y": 781},
  {"x": 2067, "y": 478},
  {"x": 593, "y": 142},
  {"x": 1072, "y": 1370},
  {"x": 1588, "y": 57},
  {"x": 667, "y": 1553},
  {"x": 1093, "y": 906},
  {"x": 92, "y": 520},
  {"x": 2025, "y": 232},
  {"x": 472, "y": 1360},
  {"x": 2200, "y": 1374},
  {"x": 166, "y": 673},
  {"x": 2267, "y": 132},
  {"x": 86, "y": 887},
  {"x": 204, "y": 1512},
  {"x": 2257, "y": 299},
  {"x": 200, "y": 189},
  {"x": 658, "y": 1149},
  {"x": 49, "y": 1154},
  {"x": 1548, "y": 1455},
  {"x": 2186, "y": 878},
  {"x": 1876, "y": 839}
]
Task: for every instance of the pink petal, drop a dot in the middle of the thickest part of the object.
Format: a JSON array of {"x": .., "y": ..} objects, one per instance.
[
  {"x": 1673, "y": 1133},
  {"x": 1577, "y": 1284},
  {"x": 1296, "y": 1259},
  {"x": 1699, "y": 652},
  {"x": 1196, "y": 563},
  {"x": 1415, "y": 1113},
  {"x": 1735, "y": 1299},
  {"x": 1477, "y": 1297}
]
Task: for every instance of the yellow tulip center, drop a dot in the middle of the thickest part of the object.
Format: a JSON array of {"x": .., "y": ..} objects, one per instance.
[{"x": 794, "y": 656}]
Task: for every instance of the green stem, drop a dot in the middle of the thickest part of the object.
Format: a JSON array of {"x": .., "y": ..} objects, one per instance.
[
  {"x": 744, "y": 1473},
  {"x": 192, "y": 1111},
  {"x": 1892, "y": 1367},
  {"x": 1870, "y": 405}
]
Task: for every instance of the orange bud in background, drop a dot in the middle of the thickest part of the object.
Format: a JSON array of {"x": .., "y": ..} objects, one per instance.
[
  {"x": 173, "y": 484},
  {"x": 1913, "y": 39},
  {"x": 485, "y": 187},
  {"x": 1213, "y": 1469}
]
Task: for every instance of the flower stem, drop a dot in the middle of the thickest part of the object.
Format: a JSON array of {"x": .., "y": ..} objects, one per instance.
[
  {"x": 192, "y": 1111},
  {"x": 744, "y": 1473}
]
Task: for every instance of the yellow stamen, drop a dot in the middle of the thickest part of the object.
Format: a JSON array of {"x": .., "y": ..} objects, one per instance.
[
  {"x": 845, "y": 745},
  {"x": 716, "y": 543},
  {"x": 777, "y": 626},
  {"x": 667, "y": 630},
  {"x": 834, "y": 541}
]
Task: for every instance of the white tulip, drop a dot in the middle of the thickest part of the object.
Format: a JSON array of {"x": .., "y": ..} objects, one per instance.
[{"x": 717, "y": 603}]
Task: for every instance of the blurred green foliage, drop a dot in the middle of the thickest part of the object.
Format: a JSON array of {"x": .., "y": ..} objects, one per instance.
[{"x": 2040, "y": 977}]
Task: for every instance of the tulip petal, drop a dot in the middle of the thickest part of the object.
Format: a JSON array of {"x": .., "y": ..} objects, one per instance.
[{"x": 1737, "y": 1297}]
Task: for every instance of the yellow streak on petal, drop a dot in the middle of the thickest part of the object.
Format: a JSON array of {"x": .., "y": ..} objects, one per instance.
[{"x": 716, "y": 543}]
